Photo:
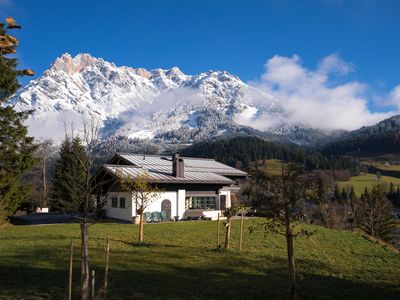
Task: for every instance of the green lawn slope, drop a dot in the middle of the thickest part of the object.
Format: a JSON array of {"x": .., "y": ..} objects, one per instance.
[
  {"x": 180, "y": 262},
  {"x": 368, "y": 181}
]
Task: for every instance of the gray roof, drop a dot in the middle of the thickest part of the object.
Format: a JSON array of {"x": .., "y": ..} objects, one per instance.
[
  {"x": 191, "y": 164},
  {"x": 162, "y": 177}
]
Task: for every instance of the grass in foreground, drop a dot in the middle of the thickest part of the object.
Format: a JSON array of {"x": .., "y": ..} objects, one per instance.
[
  {"x": 179, "y": 261},
  {"x": 368, "y": 181}
]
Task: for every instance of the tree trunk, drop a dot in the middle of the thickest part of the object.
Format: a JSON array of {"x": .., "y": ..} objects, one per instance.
[
  {"x": 241, "y": 232},
  {"x": 292, "y": 292},
  {"x": 71, "y": 258},
  {"x": 106, "y": 269},
  {"x": 44, "y": 184},
  {"x": 227, "y": 233},
  {"x": 141, "y": 226},
  {"x": 85, "y": 261}
]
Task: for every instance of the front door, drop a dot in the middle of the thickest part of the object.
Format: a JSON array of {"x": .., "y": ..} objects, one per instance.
[{"x": 166, "y": 208}]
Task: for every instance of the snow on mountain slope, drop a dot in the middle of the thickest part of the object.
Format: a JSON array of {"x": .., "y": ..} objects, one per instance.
[{"x": 139, "y": 103}]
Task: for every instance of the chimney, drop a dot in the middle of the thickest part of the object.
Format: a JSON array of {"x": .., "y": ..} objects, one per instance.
[{"x": 177, "y": 166}]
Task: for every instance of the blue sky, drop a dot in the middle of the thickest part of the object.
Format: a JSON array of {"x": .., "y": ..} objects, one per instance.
[{"x": 237, "y": 36}]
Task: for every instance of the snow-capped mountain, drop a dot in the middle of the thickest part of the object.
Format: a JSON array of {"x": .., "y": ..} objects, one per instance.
[{"x": 139, "y": 103}]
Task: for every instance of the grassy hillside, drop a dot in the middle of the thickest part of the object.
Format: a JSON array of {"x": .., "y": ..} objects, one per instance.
[
  {"x": 180, "y": 263},
  {"x": 368, "y": 181},
  {"x": 381, "y": 165},
  {"x": 270, "y": 166}
]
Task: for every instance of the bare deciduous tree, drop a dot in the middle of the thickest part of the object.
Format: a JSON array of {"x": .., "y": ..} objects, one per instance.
[
  {"x": 143, "y": 194},
  {"x": 285, "y": 192}
]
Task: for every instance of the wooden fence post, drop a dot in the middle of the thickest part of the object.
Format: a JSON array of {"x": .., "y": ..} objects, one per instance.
[
  {"x": 106, "y": 269},
  {"x": 228, "y": 231},
  {"x": 71, "y": 257},
  {"x": 218, "y": 232},
  {"x": 241, "y": 233}
]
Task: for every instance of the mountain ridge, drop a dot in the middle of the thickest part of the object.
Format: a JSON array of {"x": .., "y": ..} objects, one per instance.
[
  {"x": 161, "y": 105},
  {"x": 381, "y": 138}
]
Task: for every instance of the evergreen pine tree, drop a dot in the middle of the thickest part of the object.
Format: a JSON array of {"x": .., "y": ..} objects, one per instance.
[
  {"x": 337, "y": 194},
  {"x": 377, "y": 213},
  {"x": 16, "y": 148},
  {"x": 344, "y": 195},
  {"x": 396, "y": 202},
  {"x": 69, "y": 178}
]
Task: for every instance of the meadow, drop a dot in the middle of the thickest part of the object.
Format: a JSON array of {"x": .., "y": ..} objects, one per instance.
[
  {"x": 381, "y": 165},
  {"x": 180, "y": 261},
  {"x": 368, "y": 181}
]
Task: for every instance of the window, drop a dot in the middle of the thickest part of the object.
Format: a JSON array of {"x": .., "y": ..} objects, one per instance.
[
  {"x": 122, "y": 202},
  {"x": 200, "y": 202},
  {"x": 114, "y": 202}
]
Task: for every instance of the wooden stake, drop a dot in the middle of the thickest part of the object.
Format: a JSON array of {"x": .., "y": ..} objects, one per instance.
[
  {"x": 228, "y": 232},
  {"x": 218, "y": 232},
  {"x": 241, "y": 233},
  {"x": 93, "y": 284},
  {"x": 106, "y": 269},
  {"x": 71, "y": 256}
]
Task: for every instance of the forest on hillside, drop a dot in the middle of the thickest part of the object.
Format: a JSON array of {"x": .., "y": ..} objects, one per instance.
[
  {"x": 241, "y": 151},
  {"x": 379, "y": 139}
]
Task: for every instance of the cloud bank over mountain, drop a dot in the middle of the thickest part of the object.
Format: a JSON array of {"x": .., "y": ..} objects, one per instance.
[{"x": 320, "y": 97}]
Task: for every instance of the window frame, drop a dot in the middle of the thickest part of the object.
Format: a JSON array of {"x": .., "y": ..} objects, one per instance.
[
  {"x": 114, "y": 202},
  {"x": 201, "y": 202},
  {"x": 124, "y": 202}
]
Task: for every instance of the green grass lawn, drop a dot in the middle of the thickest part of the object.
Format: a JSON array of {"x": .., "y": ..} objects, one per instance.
[
  {"x": 180, "y": 262},
  {"x": 368, "y": 181}
]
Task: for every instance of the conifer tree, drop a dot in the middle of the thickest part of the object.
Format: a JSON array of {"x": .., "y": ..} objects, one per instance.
[
  {"x": 16, "y": 147},
  {"x": 337, "y": 194},
  {"x": 376, "y": 212},
  {"x": 69, "y": 176}
]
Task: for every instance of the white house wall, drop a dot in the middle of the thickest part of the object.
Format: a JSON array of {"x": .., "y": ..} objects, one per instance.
[
  {"x": 228, "y": 197},
  {"x": 156, "y": 204},
  {"x": 117, "y": 212},
  {"x": 181, "y": 204},
  {"x": 177, "y": 199}
]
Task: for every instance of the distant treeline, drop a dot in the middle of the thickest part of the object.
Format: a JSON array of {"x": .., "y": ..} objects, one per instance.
[
  {"x": 365, "y": 145},
  {"x": 379, "y": 139},
  {"x": 241, "y": 151}
]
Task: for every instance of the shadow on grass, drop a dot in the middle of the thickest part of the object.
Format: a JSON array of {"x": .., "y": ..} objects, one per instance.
[
  {"x": 153, "y": 274},
  {"x": 145, "y": 244},
  {"x": 187, "y": 283}
]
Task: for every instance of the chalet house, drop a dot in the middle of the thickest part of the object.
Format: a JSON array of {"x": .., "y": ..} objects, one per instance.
[{"x": 189, "y": 187}]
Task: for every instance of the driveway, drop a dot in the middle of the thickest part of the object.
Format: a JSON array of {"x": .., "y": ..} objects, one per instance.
[{"x": 43, "y": 218}]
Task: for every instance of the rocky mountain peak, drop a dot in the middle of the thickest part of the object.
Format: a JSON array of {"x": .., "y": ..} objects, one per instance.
[
  {"x": 71, "y": 65},
  {"x": 140, "y": 103}
]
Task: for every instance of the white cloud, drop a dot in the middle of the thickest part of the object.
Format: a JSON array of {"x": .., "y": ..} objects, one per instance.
[
  {"x": 394, "y": 98},
  {"x": 172, "y": 98},
  {"x": 315, "y": 97},
  {"x": 56, "y": 125}
]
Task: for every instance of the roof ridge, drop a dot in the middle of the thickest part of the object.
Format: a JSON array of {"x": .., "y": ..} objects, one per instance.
[
  {"x": 164, "y": 155},
  {"x": 124, "y": 166}
]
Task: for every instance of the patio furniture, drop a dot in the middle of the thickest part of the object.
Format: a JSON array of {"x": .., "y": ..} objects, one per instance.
[
  {"x": 156, "y": 216},
  {"x": 148, "y": 217}
]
